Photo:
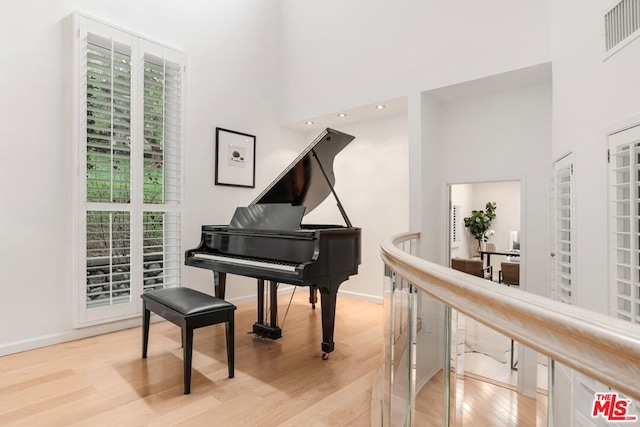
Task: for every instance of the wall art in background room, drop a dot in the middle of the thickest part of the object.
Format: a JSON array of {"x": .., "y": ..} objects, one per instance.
[{"x": 235, "y": 158}]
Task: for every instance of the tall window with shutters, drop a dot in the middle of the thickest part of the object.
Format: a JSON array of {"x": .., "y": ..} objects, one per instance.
[
  {"x": 624, "y": 223},
  {"x": 129, "y": 169}
]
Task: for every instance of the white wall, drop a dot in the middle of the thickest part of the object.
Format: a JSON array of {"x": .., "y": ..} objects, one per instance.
[
  {"x": 233, "y": 73},
  {"x": 339, "y": 54}
]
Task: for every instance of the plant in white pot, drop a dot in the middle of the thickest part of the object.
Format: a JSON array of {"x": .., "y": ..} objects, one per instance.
[{"x": 479, "y": 223}]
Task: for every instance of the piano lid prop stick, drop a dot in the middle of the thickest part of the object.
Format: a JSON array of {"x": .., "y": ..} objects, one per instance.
[{"x": 342, "y": 211}]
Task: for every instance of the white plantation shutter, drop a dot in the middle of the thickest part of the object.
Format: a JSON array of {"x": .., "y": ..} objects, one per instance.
[
  {"x": 624, "y": 226},
  {"x": 562, "y": 231},
  {"x": 624, "y": 229},
  {"x": 129, "y": 170}
]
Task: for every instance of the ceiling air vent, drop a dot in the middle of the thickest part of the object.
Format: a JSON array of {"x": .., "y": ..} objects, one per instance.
[{"x": 621, "y": 22}]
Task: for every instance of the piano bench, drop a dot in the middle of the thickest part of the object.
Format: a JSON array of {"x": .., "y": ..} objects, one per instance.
[{"x": 190, "y": 310}]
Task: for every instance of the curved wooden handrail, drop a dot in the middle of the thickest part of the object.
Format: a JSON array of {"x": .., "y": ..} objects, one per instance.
[{"x": 601, "y": 347}]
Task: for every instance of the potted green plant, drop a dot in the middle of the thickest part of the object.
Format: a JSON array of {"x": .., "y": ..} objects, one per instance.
[{"x": 480, "y": 221}]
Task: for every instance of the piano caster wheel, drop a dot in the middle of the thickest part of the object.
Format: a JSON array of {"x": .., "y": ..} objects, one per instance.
[
  {"x": 313, "y": 306},
  {"x": 325, "y": 356}
]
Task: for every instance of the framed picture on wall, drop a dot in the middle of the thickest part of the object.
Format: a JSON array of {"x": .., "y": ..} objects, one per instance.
[{"x": 235, "y": 158}]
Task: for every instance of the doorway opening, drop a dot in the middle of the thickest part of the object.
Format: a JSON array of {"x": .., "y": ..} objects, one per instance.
[
  {"x": 488, "y": 354},
  {"x": 503, "y": 233}
]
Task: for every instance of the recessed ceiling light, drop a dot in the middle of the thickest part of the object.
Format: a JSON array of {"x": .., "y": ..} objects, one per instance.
[
  {"x": 309, "y": 122},
  {"x": 342, "y": 115},
  {"x": 379, "y": 106}
]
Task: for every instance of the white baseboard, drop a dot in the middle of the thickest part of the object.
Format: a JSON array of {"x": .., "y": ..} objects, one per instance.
[
  {"x": 362, "y": 297},
  {"x": 71, "y": 335},
  {"x": 425, "y": 379}
]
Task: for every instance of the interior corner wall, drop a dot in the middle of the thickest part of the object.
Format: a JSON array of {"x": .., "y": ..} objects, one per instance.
[
  {"x": 232, "y": 82},
  {"x": 433, "y": 216}
]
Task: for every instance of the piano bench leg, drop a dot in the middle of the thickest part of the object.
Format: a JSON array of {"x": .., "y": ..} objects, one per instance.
[{"x": 146, "y": 317}]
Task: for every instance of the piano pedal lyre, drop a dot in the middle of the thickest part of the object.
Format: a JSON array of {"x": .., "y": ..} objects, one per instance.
[{"x": 266, "y": 331}]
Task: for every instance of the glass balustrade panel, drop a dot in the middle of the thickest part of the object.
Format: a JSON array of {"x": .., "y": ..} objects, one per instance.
[
  {"x": 464, "y": 371},
  {"x": 398, "y": 355}
]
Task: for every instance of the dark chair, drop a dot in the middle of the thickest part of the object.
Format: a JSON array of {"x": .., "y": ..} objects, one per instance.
[
  {"x": 190, "y": 310},
  {"x": 509, "y": 273},
  {"x": 472, "y": 266}
]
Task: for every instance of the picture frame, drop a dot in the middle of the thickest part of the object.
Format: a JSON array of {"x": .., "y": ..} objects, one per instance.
[{"x": 235, "y": 158}]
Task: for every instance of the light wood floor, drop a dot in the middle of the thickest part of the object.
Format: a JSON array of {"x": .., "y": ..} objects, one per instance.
[
  {"x": 479, "y": 403},
  {"x": 102, "y": 381}
]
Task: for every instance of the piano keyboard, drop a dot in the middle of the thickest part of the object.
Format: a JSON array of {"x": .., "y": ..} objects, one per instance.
[{"x": 273, "y": 265}]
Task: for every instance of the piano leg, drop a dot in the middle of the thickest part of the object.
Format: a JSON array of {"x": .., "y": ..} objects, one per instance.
[
  {"x": 328, "y": 302},
  {"x": 260, "y": 294},
  {"x": 273, "y": 304},
  {"x": 219, "y": 284},
  {"x": 313, "y": 296}
]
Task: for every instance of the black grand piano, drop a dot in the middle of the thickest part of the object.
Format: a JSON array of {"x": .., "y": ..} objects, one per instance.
[{"x": 267, "y": 241}]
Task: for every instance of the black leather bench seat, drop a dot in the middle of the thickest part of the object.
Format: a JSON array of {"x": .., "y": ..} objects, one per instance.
[{"x": 187, "y": 301}]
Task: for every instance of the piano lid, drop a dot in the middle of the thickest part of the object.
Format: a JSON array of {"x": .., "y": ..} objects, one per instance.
[{"x": 308, "y": 181}]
